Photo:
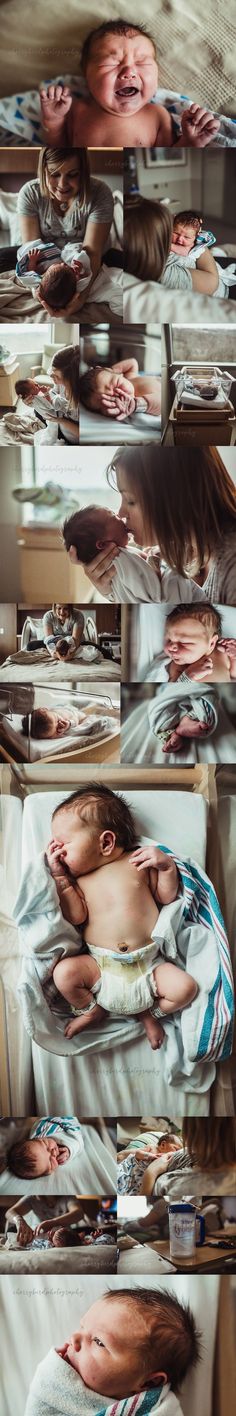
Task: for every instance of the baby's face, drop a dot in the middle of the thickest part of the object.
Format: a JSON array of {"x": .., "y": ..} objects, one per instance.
[
  {"x": 56, "y": 724},
  {"x": 48, "y": 1155},
  {"x": 183, "y": 238},
  {"x": 110, "y": 528},
  {"x": 122, "y": 73},
  {"x": 106, "y": 1349},
  {"x": 79, "y": 843},
  {"x": 187, "y": 640}
]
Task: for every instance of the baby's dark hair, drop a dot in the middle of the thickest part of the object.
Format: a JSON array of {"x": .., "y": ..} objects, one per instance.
[
  {"x": 81, "y": 530},
  {"x": 87, "y": 385},
  {"x": 58, "y": 285},
  {"x": 22, "y": 386},
  {"x": 104, "y": 809},
  {"x": 189, "y": 218},
  {"x": 123, "y": 27},
  {"x": 37, "y": 723},
  {"x": 173, "y": 1342},
  {"x": 205, "y": 612},
  {"x": 21, "y": 1158}
]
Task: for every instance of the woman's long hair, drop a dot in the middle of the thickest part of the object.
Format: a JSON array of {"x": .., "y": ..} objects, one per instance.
[
  {"x": 211, "y": 1142},
  {"x": 147, "y": 237},
  {"x": 186, "y": 497},
  {"x": 67, "y": 363},
  {"x": 50, "y": 159}
]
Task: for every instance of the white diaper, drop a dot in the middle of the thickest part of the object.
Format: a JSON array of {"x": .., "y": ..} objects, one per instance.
[{"x": 126, "y": 984}]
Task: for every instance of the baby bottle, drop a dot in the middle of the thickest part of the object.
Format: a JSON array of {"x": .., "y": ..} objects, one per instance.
[
  {"x": 11, "y": 1232},
  {"x": 186, "y": 1229}
]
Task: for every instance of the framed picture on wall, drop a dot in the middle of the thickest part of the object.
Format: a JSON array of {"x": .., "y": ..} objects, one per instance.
[{"x": 159, "y": 157}]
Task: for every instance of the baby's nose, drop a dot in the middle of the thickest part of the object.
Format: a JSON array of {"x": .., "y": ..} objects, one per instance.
[
  {"x": 75, "y": 1341},
  {"x": 127, "y": 71}
]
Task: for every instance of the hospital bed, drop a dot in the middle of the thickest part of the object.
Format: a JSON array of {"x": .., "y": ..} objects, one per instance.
[
  {"x": 44, "y": 1316},
  {"x": 120, "y": 1079}
]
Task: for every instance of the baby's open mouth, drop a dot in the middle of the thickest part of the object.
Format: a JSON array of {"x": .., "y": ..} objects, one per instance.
[{"x": 127, "y": 91}]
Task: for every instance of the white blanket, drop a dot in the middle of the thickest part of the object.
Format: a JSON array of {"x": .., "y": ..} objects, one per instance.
[
  {"x": 57, "y": 1390},
  {"x": 136, "y": 580},
  {"x": 189, "y": 930}
]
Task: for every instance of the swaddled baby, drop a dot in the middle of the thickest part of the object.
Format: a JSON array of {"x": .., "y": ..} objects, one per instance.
[
  {"x": 124, "y": 900},
  {"x": 130, "y": 1344},
  {"x": 56, "y": 275},
  {"x": 53, "y": 1140},
  {"x": 136, "y": 577}
]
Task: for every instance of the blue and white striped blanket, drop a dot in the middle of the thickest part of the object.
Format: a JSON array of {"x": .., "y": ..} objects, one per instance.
[{"x": 192, "y": 934}]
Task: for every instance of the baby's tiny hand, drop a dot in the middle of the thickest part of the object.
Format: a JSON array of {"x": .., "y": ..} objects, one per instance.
[
  {"x": 33, "y": 258},
  {"x": 54, "y": 854},
  {"x": 55, "y": 105},
  {"x": 63, "y": 1155},
  {"x": 199, "y": 127},
  {"x": 145, "y": 857}
]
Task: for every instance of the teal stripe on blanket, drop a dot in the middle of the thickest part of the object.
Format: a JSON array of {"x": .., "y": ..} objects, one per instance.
[{"x": 142, "y": 1404}]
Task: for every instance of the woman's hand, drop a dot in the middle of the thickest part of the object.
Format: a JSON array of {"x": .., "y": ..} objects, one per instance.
[
  {"x": 69, "y": 309},
  {"x": 24, "y": 1232},
  {"x": 101, "y": 570}
]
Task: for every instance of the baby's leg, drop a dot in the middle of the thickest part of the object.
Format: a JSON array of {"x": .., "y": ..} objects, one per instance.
[
  {"x": 153, "y": 1028},
  {"x": 175, "y": 988},
  {"x": 74, "y": 977}
]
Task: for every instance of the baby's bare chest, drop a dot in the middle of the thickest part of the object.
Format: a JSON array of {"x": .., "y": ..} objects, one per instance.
[
  {"x": 116, "y": 888},
  {"x": 93, "y": 125}
]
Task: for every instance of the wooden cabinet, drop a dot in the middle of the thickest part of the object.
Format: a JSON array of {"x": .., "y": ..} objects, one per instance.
[
  {"x": 46, "y": 571},
  {"x": 8, "y": 629}
]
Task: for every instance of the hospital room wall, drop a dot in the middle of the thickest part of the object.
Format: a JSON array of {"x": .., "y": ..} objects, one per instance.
[
  {"x": 204, "y": 180},
  {"x": 9, "y": 559}
]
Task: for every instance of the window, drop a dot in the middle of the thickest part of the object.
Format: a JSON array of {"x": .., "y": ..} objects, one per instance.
[{"x": 208, "y": 343}]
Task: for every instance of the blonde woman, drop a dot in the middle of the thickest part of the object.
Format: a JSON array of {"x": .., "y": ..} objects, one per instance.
[{"x": 64, "y": 203}]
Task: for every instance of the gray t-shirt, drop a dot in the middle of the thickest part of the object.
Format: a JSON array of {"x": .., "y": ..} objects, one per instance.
[
  {"x": 72, "y": 223},
  {"x": 51, "y": 622}
]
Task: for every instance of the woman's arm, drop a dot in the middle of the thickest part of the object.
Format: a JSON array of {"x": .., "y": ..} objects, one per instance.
[
  {"x": 153, "y": 1172},
  {"x": 77, "y": 635},
  {"x": 205, "y": 278},
  {"x": 30, "y": 228}
]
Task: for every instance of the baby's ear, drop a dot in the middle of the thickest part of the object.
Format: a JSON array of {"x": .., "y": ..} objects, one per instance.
[{"x": 107, "y": 842}]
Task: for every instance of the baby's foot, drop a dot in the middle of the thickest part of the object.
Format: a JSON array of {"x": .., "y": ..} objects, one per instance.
[
  {"x": 172, "y": 743},
  {"x": 154, "y": 1030},
  {"x": 84, "y": 1020}
]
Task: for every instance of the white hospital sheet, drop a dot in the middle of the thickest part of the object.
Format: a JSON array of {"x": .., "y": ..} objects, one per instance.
[{"x": 139, "y": 428}]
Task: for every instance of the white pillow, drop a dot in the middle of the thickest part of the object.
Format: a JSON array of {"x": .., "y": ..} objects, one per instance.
[{"x": 9, "y": 215}]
